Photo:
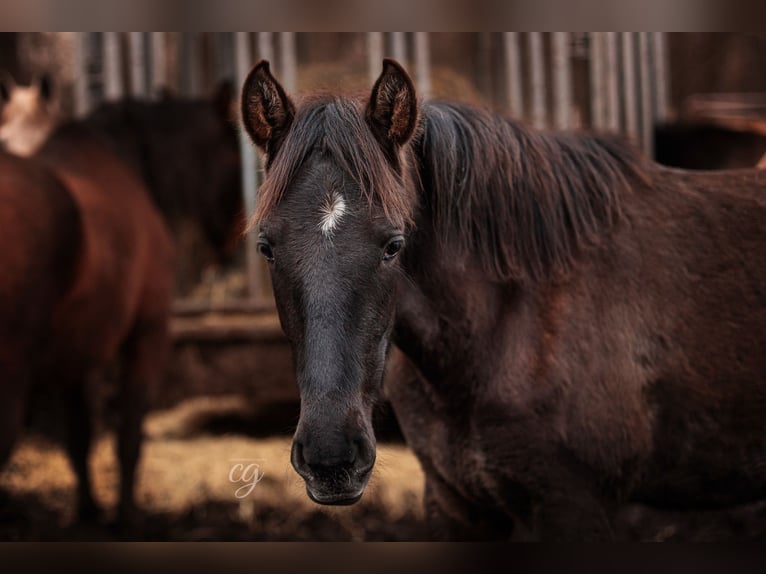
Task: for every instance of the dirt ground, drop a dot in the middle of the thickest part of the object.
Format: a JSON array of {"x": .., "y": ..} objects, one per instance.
[{"x": 187, "y": 493}]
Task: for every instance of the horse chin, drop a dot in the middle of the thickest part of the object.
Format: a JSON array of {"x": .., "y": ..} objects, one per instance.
[{"x": 335, "y": 499}]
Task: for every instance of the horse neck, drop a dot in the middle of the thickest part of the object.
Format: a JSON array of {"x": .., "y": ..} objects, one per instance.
[
  {"x": 503, "y": 213},
  {"x": 449, "y": 311}
]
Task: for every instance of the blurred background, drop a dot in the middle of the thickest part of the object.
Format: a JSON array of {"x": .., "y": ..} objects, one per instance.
[{"x": 691, "y": 100}]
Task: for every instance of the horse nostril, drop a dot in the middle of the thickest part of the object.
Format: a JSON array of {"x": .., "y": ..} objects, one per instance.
[
  {"x": 344, "y": 458},
  {"x": 364, "y": 455},
  {"x": 296, "y": 456}
]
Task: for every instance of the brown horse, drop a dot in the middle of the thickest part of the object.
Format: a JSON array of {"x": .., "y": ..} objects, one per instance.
[
  {"x": 186, "y": 151},
  {"x": 87, "y": 279},
  {"x": 589, "y": 328}
]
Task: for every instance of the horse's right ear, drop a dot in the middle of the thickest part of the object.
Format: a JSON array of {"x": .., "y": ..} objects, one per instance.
[
  {"x": 267, "y": 112},
  {"x": 6, "y": 86},
  {"x": 392, "y": 112},
  {"x": 45, "y": 85}
]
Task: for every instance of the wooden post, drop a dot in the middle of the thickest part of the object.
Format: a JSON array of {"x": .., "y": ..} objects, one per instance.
[
  {"x": 191, "y": 63},
  {"x": 537, "y": 63},
  {"x": 612, "y": 83},
  {"x": 82, "y": 103},
  {"x": 423, "y": 64},
  {"x": 562, "y": 80},
  {"x": 375, "y": 54},
  {"x": 137, "y": 46},
  {"x": 224, "y": 57},
  {"x": 597, "y": 81},
  {"x": 629, "y": 85},
  {"x": 288, "y": 69},
  {"x": 399, "y": 47},
  {"x": 244, "y": 61},
  {"x": 513, "y": 74},
  {"x": 661, "y": 79},
  {"x": 647, "y": 113},
  {"x": 112, "y": 66},
  {"x": 158, "y": 79}
]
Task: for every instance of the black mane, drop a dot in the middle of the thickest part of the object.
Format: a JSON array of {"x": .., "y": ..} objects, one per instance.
[{"x": 524, "y": 201}]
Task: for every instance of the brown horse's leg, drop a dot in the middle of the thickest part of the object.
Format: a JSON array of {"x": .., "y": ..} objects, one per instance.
[
  {"x": 79, "y": 439},
  {"x": 143, "y": 361},
  {"x": 13, "y": 393}
]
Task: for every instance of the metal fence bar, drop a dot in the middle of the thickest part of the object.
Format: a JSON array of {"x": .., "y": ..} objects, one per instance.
[
  {"x": 562, "y": 80},
  {"x": 288, "y": 69},
  {"x": 423, "y": 64},
  {"x": 82, "y": 101},
  {"x": 112, "y": 66},
  {"x": 374, "y": 54},
  {"x": 513, "y": 73},
  {"x": 265, "y": 46},
  {"x": 244, "y": 61},
  {"x": 647, "y": 115},
  {"x": 137, "y": 45},
  {"x": 661, "y": 79},
  {"x": 399, "y": 47},
  {"x": 536, "y": 62},
  {"x": 629, "y": 85},
  {"x": 612, "y": 82},
  {"x": 260, "y": 286},
  {"x": 597, "y": 68},
  {"x": 158, "y": 78},
  {"x": 191, "y": 83},
  {"x": 224, "y": 57}
]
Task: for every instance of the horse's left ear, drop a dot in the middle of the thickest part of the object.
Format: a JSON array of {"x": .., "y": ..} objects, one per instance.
[
  {"x": 6, "y": 86},
  {"x": 392, "y": 111},
  {"x": 267, "y": 112},
  {"x": 46, "y": 88}
]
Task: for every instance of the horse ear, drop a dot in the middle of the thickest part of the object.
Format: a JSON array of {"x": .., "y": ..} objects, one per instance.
[
  {"x": 267, "y": 112},
  {"x": 223, "y": 98},
  {"x": 6, "y": 86},
  {"x": 392, "y": 111},
  {"x": 46, "y": 88}
]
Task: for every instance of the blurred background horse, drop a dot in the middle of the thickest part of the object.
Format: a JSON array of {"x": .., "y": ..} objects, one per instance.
[
  {"x": 185, "y": 151},
  {"x": 106, "y": 239}
]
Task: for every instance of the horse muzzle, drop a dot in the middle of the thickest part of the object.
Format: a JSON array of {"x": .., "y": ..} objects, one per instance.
[{"x": 336, "y": 473}]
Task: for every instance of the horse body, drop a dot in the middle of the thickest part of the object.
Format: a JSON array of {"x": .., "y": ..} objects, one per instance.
[
  {"x": 186, "y": 152},
  {"x": 40, "y": 228},
  {"x": 126, "y": 252},
  {"x": 586, "y": 328},
  {"x": 639, "y": 375},
  {"x": 116, "y": 304}
]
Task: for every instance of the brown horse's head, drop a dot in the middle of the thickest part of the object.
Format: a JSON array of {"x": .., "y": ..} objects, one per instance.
[{"x": 332, "y": 219}]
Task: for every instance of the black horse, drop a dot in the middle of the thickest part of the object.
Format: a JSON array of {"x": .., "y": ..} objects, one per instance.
[{"x": 589, "y": 328}]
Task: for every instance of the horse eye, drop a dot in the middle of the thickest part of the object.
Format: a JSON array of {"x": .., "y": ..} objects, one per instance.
[
  {"x": 393, "y": 248},
  {"x": 266, "y": 251}
]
